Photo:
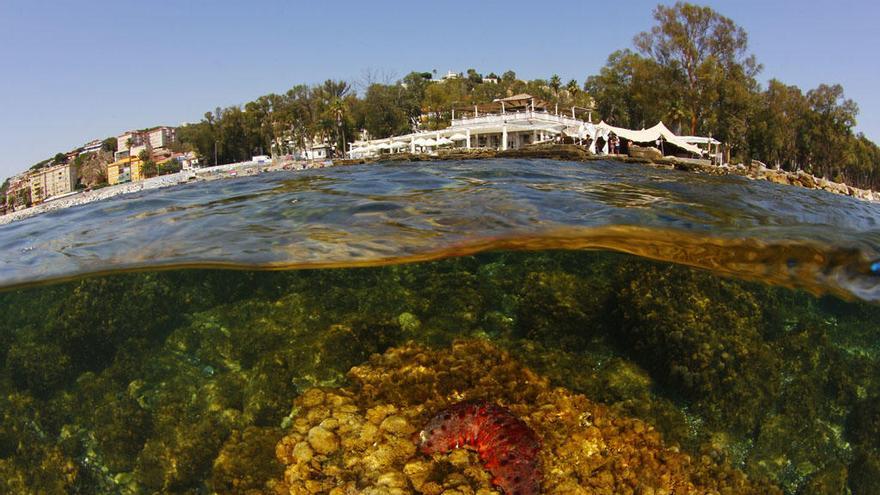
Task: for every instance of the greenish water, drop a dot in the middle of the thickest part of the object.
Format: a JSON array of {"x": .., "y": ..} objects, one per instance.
[{"x": 736, "y": 318}]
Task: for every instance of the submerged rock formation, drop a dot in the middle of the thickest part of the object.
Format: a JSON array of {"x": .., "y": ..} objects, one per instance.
[{"x": 359, "y": 439}]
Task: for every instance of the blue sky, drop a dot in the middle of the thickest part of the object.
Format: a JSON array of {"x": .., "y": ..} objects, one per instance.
[{"x": 73, "y": 71}]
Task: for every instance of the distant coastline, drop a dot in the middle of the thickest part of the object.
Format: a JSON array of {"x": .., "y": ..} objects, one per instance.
[{"x": 182, "y": 177}]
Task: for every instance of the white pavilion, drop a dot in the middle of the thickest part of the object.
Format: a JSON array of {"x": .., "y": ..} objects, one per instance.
[{"x": 512, "y": 123}]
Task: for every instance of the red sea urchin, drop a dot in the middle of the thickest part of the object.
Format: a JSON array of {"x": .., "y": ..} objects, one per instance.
[{"x": 506, "y": 445}]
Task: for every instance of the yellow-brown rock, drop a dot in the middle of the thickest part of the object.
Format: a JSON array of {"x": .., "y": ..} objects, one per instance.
[{"x": 587, "y": 448}]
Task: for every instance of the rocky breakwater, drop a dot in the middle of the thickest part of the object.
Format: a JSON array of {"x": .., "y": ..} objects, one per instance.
[
  {"x": 361, "y": 439},
  {"x": 803, "y": 179}
]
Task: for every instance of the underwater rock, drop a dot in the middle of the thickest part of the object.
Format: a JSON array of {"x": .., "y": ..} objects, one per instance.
[
  {"x": 29, "y": 461},
  {"x": 507, "y": 446},
  {"x": 246, "y": 462},
  {"x": 863, "y": 425},
  {"x": 322, "y": 441},
  {"x": 557, "y": 307},
  {"x": 587, "y": 448},
  {"x": 121, "y": 429},
  {"x": 864, "y": 473},
  {"x": 39, "y": 367},
  {"x": 180, "y": 458},
  {"x": 702, "y": 336}
]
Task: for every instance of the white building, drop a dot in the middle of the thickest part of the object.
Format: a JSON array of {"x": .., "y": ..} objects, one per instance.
[
  {"x": 162, "y": 137},
  {"x": 318, "y": 152},
  {"x": 507, "y": 123},
  {"x": 131, "y": 143},
  {"x": 450, "y": 75},
  {"x": 512, "y": 123},
  {"x": 93, "y": 146}
]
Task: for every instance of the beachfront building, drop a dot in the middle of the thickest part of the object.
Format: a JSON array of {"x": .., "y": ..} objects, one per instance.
[
  {"x": 522, "y": 120},
  {"x": 318, "y": 152},
  {"x": 128, "y": 169},
  {"x": 18, "y": 193},
  {"x": 128, "y": 142},
  {"x": 507, "y": 123},
  {"x": 49, "y": 182},
  {"x": 161, "y": 137}
]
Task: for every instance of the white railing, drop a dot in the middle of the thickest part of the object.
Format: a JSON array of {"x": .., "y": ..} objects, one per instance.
[{"x": 512, "y": 116}]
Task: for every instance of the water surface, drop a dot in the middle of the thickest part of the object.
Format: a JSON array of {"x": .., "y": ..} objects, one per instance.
[{"x": 374, "y": 214}]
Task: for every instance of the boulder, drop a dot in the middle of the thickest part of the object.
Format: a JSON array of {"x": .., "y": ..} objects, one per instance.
[{"x": 645, "y": 152}]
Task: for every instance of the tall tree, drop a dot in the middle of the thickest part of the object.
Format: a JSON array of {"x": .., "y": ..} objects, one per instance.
[
  {"x": 700, "y": 46},
  {"x": 555, "y": 83}
]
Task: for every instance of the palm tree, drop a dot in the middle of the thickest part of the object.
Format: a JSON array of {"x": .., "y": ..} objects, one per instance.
[
  {"x": 572, "y": 87},
  {"x": 338, "y": 107},
  {"x": 555, "y": 83}
]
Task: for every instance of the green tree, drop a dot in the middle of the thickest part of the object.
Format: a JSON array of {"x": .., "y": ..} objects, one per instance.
[
  {"x": 382, "y": 113},
  {"x": 59, "y": 158},
  {"x": 830, "y": 129},
  {"x": 632, "y": 91},
  {"x": 555, "y": 83},
  {"x": 149, "y": 169},
  {"x": 474, "y": 78},
  {"x": 110, "y": 144},
  {"x": 701, "y": 49},
  {"x": 777, "y": 134}
]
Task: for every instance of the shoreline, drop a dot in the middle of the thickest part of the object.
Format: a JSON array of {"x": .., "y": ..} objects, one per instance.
[
  {"x": 178, "y": 178},
  {"x": 644, "y": 156},
  {"x": 565, "y": 152}
]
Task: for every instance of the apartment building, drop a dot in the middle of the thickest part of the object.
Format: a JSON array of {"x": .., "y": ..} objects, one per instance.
[
  {"x": 49, "y": 182},
  {"x": 131, "y": 143},
  {"x": 162, "y": 137},
  {"x": 18, "y": 194}
]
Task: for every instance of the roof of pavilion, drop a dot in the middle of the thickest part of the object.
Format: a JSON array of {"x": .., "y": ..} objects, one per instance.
[{"x": 515, "y": 102}]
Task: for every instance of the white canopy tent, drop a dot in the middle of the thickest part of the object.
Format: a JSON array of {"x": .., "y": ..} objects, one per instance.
[{"x": 645, "y": 135}]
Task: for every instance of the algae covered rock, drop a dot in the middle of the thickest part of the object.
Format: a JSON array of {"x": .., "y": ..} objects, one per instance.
[
  {"x": 40, "y": 367},
  {"x": 702, "y": 335},
  {"x": 361, "y": 438},
  {"x": 246, "y": 461}
]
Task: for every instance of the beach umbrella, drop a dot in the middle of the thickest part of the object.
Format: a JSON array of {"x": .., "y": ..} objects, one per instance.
[{"x": 458, "y": 137}]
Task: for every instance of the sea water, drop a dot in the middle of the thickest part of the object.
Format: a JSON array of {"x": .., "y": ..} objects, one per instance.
[{"x": 290, "y": 332}]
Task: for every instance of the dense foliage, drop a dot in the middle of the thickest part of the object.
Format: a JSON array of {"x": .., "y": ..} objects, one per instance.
[
  {"x": 331, "y": 112},
  {"x": 692, "y": 70}
]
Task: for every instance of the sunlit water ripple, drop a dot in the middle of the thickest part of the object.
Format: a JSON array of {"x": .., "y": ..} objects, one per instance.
[{"x": 397, "y": 212}]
